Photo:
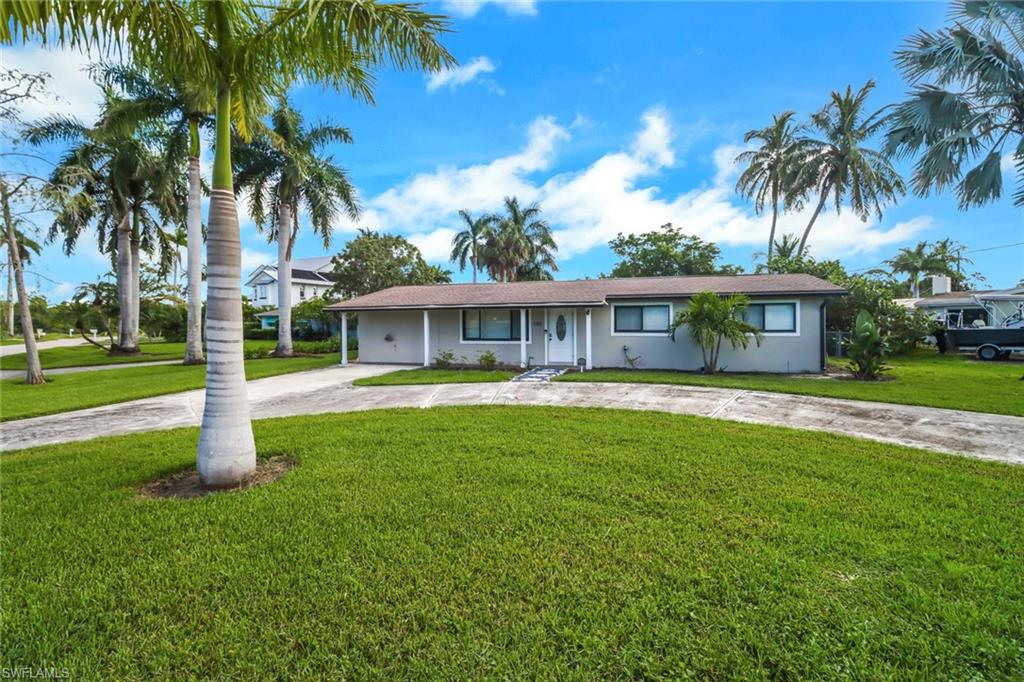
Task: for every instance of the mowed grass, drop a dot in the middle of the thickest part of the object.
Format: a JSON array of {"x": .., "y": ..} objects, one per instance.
[
  {"x": 919, "y": 378},
  {"x": 430, "y": 375},
  {"x": 90, "y": 356},
  {"x": 517, "y": 542},
  {"x": 64, "y": 392}
]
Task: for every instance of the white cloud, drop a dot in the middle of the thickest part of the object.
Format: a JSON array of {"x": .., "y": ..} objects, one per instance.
[
  {"x": 458, "y": 76},
  {"x": 469, "y": 8},
  {"x": 253, "y": 258},
  {"x": 62, "y": 291},
  {"x": 72, "y": 92},
  {"x": 617, "y": 192}
]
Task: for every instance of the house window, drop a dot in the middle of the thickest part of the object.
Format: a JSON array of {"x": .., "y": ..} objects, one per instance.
[
  {"x": 493, "y": 325},
  {"x": 642, "y": 319},
  {"x": 302, "y": 292},
  {"x": 263, "y": 291},
  {"x": 772, "y": 317}
]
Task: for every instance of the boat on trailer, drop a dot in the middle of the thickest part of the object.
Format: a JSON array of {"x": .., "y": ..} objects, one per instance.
[{"x": 990, "y": 342}]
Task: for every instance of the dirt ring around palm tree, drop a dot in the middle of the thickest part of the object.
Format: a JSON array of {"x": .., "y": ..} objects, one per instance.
[{"x": 187, "y": 484}]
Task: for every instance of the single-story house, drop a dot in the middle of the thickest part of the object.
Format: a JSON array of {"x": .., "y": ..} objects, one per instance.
[{"x": 590, "y": 323}]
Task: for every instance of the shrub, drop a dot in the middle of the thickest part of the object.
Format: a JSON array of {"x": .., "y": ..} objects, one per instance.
[
  {"x": 257, "y": 353},
  {"x": 261, "y": 334},
  {"x": 444, "y": 359},
  {"x": 866, "y": 348},
  {"x": 712, "y": 319},
  {"x": 487, "y": 359},
  {"x": 322, "y": 347}
]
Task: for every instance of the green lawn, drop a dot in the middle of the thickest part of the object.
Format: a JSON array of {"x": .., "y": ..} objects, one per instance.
[
  {"x": 64, "y": 392},
  {"x": 429, "y": 375},
  {"x": 89, "y": 356},
  {"x": 517, "y": 542},
  {"x": 920, "y": 378}
]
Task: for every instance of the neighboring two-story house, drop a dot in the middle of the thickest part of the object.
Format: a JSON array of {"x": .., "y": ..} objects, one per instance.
[{"x": 310, "y": 279}]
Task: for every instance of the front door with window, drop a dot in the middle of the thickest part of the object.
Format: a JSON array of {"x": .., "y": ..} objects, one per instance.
[{"x": 561, "y": 331}]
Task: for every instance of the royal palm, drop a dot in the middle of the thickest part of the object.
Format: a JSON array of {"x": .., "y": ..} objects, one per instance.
[
  {"x": 245, "y": 52},
  {"x": 286, "y": 169},
  {"x": 468, "y": 244}
]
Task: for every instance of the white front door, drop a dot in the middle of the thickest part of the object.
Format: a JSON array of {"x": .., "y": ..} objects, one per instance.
[{"x": 561, "y": 336}]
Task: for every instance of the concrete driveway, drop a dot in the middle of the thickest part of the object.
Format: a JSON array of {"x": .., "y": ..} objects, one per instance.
[{"x": 974, "y": 434}]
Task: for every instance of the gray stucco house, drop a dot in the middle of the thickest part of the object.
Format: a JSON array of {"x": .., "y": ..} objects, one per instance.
[{"x": 589, "y": 322}]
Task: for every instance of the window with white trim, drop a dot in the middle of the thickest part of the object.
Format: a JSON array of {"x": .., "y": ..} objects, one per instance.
[
  {"x": 772, "y": 317},
  {"x": 642, "y": 319},
  {"x": 493, "y": 324}
]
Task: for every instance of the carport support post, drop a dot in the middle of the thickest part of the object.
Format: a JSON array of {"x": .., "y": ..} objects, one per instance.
[
  {"x": 344, "y": 339},
  {"x": 589, "y": 364},
  {"x": 426, "y": 338},
  {"x": 522, "y": 337}
]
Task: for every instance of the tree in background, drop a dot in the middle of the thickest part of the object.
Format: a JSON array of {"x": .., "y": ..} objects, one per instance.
[
  {"x": 184, "y": 108},
  {"x": 839, "y": 164},
  {"x": 33, "y": 368},
  {"x": 521, "y": 243},
  {"x": 915, "y": 262},
  {"x": 286, "y": 171},
  {"x": 666, "y": 252},
  {"x": 966, "y": 109},
  {"x": 27, "y": 248},
  {"x": 374, "y": 261},
  {"x": 767, "y": 178},
  {"x": 711, "y": 319},
  {"x": 468, "y": 244},
  {"x": 245, "y": 52}
]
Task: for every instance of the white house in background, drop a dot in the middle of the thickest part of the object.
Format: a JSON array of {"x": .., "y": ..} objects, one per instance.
[
  {"x": 311, "y": 278},
  {"x": 965, "y": 308}
]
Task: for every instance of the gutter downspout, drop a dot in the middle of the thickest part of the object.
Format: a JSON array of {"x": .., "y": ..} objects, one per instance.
[{"x": 824, "y": 348}]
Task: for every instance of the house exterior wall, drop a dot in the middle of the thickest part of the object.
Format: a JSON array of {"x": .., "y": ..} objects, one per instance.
[
  {"x": 794, "y": 352},
  {"x": 266, "y": 294}
]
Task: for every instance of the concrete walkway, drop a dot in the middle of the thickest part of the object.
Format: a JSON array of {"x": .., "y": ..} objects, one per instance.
[
  {"x": 15, "y": 349},
  {"x": 20, "y": 373},
  {"x": 984, "y": 436}
]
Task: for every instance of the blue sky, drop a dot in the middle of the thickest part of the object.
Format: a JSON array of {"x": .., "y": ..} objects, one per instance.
[{"x": 614, "y": 117}]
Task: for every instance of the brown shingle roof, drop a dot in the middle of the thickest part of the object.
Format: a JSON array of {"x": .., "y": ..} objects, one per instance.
[{"x": 582, "y": 291}]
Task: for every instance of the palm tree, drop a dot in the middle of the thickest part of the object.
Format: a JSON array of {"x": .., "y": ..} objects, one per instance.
[
  {"x": 522, "y": 239},
  {"x": 766, "y": 179},
  {"x": 915, "y": 262},
  {"x": 184, "y": 108},
  {"x": 838, "y": 164},
  {"x": 788, "y": 247},
  {"x": 711, "y": 319},
  {"x": 33, "y": 368},
  {"x": 114, "y": 181},
  {"x": 972, "y": 111},
  {"x": 287, "y": 170},
  {"x": 468, "y": 244},
  {"x": 245, "y": 52}
]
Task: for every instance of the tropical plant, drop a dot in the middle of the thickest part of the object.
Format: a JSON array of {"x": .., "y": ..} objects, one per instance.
[
  {"x": 468, "y": 244},
  {"x": 915, "y": 262},
  {"x": 184, "y": 108},
  {"x": 33, "y": 368},
  {"x": 111, "y": 178},
  {"x": 838, "y": 164},
  {"x": 521, "y": 243},
  {"x": 246, "y": 52},
  {"x": 711, "y": 319},
  {"x": 965, "y": 114},
  {"x": 487, "y": 359},
  {"x": 866, "y": 348},
  {"x": 666, "y": 252},
  {"x": 374, "y": 261},
  {"x": 285, "y": 172},
  {"x": 767, "y": 178}
]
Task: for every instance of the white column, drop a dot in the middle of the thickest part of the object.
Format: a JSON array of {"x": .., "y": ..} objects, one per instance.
[
  {"x": 344, "y": 338},
  {"x": 590, "y": 345},
  {"x": 523, "y": 329},
  {"x": 426, "y": 338}
]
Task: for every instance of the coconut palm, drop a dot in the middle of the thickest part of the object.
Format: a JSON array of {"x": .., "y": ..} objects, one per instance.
[
  {"x": 712, "y": 319},
  {"x": 838, "y": 164},
  {"x": 468, "y": 244},
  {"x": 114, "y": 182},
  {"x": 766, "y": 178},
  {"x": 245, "y": 52},
  {"x": 16, "y": 248},
  {"x": 521, "y": 240},
  {"x": 285, "y": 172},
  {"x": 966, "y": 111},
  {"x": 184, "y": 108},
  {"x": 915, "y": 262}
]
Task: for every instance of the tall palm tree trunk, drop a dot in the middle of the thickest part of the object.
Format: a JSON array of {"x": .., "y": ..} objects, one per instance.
[
  {"x": 775, "y": 219},
  {"x": 810, "y": 224},
  {"x": 284, "y": 281},
  {"x": 194, "y": 334},
  {"x": 475, "y": 261},
  {"x": 125, "y": 341},
  {"x": 33, "y": 368},
  {"x": 227, "y": 450},
  {"x": 136, "y": 282},
  {"x": 10, "y": 297}
]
